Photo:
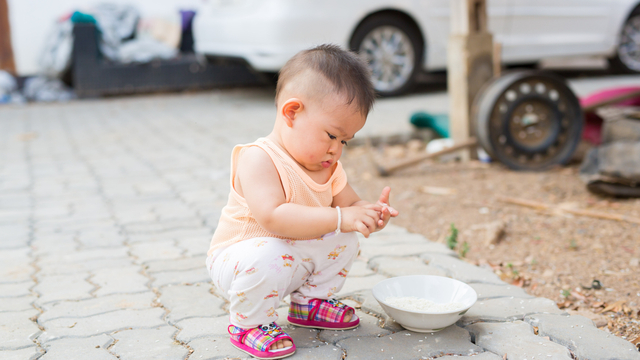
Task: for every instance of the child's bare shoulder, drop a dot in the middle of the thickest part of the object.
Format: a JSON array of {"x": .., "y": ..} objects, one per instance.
[
  {"x": 252, "y": 154},
  {"x": 256, "y": 174},
  {"x": 253, "y": 159}
]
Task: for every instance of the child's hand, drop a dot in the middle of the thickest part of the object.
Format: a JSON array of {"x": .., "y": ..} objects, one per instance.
[
  {"x": 387, "y": 211},
  {"x": 361, "y": 219}
]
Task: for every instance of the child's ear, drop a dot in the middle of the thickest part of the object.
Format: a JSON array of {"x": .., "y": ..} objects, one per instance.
[{"x": 290, "y": 110}]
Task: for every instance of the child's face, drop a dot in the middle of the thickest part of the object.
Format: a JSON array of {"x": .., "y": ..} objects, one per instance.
[{"x": 321, "y": 130}]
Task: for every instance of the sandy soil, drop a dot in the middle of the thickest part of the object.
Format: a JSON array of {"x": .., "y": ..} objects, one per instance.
[{"x": 554, "y": 255}]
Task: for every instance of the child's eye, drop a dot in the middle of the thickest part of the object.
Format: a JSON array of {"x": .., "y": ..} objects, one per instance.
[
  {"x": 344, "y": 143},
  {"x": 332, "y": 137}
]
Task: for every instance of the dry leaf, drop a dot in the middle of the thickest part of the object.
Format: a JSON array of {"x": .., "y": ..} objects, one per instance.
[
  {"x": 615, "y": 307},
  {"x": 598, "y": 304},
  {"x": 535, "y": 330},
  {"x": 565, "y": 304}
]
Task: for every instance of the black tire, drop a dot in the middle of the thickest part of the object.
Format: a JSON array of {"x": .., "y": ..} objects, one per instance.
[
  {"x": 618, "y": 63},
  {"x": 553, "y": 107},
  {"x": 412, "y": 33}
]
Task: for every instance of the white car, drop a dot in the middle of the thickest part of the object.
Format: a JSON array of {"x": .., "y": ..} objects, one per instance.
[{"x": 401, "y": 38}]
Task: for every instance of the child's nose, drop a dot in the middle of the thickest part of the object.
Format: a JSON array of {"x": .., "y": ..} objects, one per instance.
[{"x": 333, "y": 149}]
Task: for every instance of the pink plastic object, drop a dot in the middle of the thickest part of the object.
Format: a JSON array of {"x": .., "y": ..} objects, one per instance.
[{"x": 592, "y": 122}]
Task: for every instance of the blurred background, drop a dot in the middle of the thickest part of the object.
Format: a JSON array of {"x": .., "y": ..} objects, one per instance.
[{"x": 404, "y": 41}]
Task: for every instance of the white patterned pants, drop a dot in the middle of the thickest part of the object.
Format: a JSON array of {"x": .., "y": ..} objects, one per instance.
[{"x": 256, "y": 274}]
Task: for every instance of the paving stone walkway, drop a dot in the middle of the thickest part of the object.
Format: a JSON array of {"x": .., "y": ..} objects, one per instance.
[{"x": 106, "y": 211}]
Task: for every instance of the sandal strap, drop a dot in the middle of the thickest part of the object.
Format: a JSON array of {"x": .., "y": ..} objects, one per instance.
[
  {"x": 330, "y": 310},
  {"x": 260, "y": 337}
]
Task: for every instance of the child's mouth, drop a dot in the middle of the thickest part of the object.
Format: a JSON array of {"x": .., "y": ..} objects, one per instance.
[{"x": 326, "y": 164}]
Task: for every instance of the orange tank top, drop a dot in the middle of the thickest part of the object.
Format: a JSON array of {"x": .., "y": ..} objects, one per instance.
[{"x": 237, "y": 222}]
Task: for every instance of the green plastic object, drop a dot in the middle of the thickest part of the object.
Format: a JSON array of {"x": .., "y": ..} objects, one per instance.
[
  {"x": 82, "y": 18},
  {"x": 438, "y": 122}
]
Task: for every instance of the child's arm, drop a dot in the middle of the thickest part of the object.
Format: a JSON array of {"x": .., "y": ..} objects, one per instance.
[
  {"x": 259, "y": 184},
  {"x": 348, "y": 197}
]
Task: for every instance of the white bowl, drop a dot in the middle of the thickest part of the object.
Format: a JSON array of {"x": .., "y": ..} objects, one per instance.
[{"x": 439, "y": 289}]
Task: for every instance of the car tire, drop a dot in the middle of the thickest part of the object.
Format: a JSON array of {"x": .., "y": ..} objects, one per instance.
[
  {"x": 390, "y": 78},
  {"x": 627, "y": 54}
]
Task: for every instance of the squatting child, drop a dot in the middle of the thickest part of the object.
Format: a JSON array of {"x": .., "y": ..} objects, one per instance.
[{"x": 289, "y": 225}]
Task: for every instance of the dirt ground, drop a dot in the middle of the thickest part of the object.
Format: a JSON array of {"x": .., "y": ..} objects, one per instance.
[{"x": 551, "y": 254}]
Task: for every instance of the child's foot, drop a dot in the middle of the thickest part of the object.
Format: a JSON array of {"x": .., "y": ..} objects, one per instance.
[
  {"x": 281, "y": 344},
  {"x": 323, "y": 314},
  {"x": 262, "y": 342}
]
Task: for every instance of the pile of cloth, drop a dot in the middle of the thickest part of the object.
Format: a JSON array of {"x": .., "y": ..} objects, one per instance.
[
  {"x": 35, "y": 88},
  {"x": 124, "y": 37},
  {"x": 9, "y": 93}
]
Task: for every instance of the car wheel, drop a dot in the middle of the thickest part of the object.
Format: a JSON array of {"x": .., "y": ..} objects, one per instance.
[
  {"x": 393, "y": 48},
  {"x": 627, "y": 57}
]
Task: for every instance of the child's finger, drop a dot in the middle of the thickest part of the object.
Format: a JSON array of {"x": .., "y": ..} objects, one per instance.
[
  {"x": 387, "y": 215},
  {"x": 362, "y": 229},
  {"x": 376, "y": 207},
  {"x": 384, "y": 196},
  {"x": 393, "y": 212},
  {"x": 382, "y": 212},
  {"x": 373, "y": 214}
]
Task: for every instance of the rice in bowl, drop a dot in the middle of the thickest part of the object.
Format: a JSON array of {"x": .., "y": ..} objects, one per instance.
[{"x": 412, "y": 303}]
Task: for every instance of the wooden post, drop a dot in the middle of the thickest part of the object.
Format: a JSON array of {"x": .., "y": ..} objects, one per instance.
[
  {"x": 497, "y": 59},
  {"x": 469, "y": 65},
  {"x": 6, "y": 51}
]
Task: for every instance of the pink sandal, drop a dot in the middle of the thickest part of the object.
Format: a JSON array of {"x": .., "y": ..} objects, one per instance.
[
  {"x": 256, "y": 341},
  {"x": 322, "y": 314}
]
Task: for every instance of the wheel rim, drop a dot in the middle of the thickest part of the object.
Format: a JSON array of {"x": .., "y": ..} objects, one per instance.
[
  {"x": 629, "y": 47},
  {"x": 533, "y": 124},
  {"x": 390, "y": 55}
]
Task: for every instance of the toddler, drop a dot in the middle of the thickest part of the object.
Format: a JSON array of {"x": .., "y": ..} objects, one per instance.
[{"x": 289, "y": 225}]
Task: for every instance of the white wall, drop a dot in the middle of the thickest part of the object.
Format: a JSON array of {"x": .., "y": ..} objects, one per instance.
[{"x": 32, "y": 20}]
